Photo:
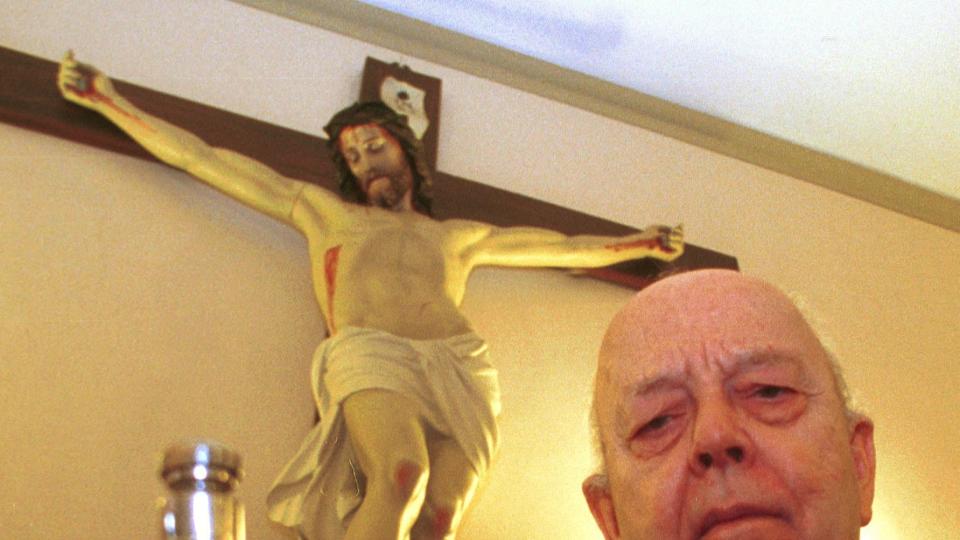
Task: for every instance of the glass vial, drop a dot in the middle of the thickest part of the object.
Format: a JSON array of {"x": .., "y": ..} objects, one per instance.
[{"x": 201, "y": 477}]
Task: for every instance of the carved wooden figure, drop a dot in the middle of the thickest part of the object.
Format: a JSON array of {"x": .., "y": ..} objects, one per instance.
[{"x": 407, "y": 398}]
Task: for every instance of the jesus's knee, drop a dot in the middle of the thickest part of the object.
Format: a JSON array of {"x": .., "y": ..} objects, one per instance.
[
  {"x": 402, "y": 483},
  {"x": 409, "y": 479}
]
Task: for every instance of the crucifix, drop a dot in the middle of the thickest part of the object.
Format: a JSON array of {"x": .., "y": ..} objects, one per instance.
[{"x": 389, "y": 282}]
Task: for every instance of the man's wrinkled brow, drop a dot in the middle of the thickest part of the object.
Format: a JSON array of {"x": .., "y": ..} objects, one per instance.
[
  {"x": 741, "y": 362},
  {"x": 657, "y": 383},
  {"x": 753, "y": 360}
]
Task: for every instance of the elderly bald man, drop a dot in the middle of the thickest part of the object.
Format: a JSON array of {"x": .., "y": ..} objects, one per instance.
[{"x": 720, "y": 414}]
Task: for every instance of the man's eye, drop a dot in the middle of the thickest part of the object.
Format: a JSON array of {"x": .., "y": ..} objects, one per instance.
[
  {"x": 658, "y": 433},
  {"x": 771, "y": 392},
  {"x": 654, "y": 425},
  {"x": 774, "y": 404},
  {"x": 375, "y": 145}
]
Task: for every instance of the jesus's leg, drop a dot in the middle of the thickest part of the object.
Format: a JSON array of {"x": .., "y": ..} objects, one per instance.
[
  {"x": 387, "y": 435},
  {"x": 453, "y": 482}
]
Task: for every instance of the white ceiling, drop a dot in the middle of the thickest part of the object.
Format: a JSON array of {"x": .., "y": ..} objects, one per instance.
[{"x": 876, "y": 83}]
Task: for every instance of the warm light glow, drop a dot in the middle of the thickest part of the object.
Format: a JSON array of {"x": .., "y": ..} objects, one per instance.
[
  {"x": 878, "y": 530},
  {"x": 883, "y": 526}
]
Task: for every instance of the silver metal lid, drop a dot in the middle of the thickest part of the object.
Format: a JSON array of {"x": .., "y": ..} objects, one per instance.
[{"x": 201, "y": 460}]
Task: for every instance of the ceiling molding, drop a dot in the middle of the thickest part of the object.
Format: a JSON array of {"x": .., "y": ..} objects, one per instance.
[{"x": 415, "y": 38}]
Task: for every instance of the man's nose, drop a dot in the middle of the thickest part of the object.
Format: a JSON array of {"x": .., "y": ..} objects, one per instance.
[{"x": 719, "y": 439}]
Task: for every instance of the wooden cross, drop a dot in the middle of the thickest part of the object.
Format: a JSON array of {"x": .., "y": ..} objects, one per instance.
[{"x": 29, "y": 99}]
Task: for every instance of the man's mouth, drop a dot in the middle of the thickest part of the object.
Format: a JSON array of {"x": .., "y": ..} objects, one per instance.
[{"x": 717, "y": 522}]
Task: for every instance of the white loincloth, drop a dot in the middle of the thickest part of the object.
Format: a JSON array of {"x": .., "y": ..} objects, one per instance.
[{"x": 451, "y": 379}]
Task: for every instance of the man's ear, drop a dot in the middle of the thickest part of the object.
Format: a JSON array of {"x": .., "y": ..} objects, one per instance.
[
  {"x": 865, "y": 464},
  {"x": 596, "y": 490}
]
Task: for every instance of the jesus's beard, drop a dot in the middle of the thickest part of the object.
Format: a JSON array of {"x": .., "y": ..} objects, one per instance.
[{"x": 390, "y": 196}]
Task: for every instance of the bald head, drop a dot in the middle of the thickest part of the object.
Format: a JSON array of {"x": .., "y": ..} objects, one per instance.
[
  {"x": 728, "y": 311},
  {"x": 713, "y": 392},
  {"x": 674, "y": 311}
]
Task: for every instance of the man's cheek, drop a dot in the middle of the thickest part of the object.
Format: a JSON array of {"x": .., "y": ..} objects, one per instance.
[
  {"x": 807, "y": 474},
  {"x": 654, "y": 498},
  {"x": 807, "y": 455}
]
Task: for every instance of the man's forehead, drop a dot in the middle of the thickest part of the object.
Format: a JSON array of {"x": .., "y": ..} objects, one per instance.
[{"x": 686, "y": 317}]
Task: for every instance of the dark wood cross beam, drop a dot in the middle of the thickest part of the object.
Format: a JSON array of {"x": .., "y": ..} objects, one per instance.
[{"x": 29, "y": 99}]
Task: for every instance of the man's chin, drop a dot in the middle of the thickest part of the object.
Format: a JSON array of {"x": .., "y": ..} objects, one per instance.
[{"x": 752, "y": 528}]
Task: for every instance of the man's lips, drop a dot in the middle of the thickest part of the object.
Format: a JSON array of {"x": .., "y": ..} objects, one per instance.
[{"x": 723, "y": 516}]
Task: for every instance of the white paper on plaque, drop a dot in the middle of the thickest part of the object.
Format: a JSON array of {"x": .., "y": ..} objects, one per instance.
[{"x": 408, "y": 100}]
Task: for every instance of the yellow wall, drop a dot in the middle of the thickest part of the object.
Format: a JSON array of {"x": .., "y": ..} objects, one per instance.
[{"x": 140, "y": 307}]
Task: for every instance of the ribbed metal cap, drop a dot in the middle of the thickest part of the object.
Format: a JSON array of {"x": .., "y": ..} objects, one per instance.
[{"x": 200, "y": 460}]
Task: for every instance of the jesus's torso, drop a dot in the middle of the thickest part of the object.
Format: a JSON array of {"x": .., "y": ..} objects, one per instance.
[{"x": 399, "y": 272}]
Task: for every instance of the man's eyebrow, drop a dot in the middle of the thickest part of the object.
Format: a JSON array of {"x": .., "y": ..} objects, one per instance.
[
  {"x": 658, "y": 383},
  {"x": 743, "y": 362},
  {"x": 748, "y": 361}
]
